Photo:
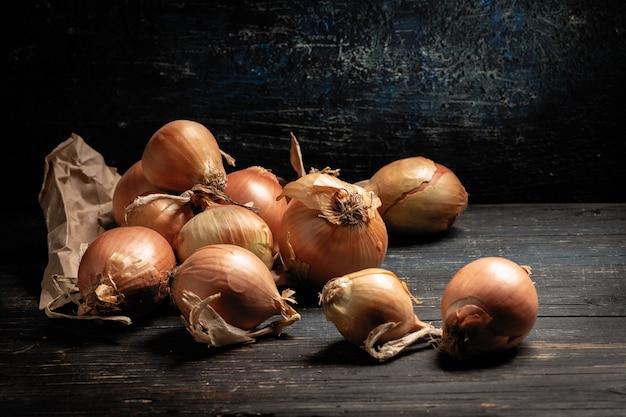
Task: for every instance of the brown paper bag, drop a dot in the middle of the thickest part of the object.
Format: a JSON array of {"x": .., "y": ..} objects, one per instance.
[{"x": 76, "y": 198}]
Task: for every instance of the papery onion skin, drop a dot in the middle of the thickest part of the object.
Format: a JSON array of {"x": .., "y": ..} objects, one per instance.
[
  {"x": 227, "y": 223},
  {"x": 324, "y": 250},
  {"x": 181, "y": 154},
  {"x": 132, "y": 184},
  {"x": 260, "y": 187},
  {"x": 418, "y": 195},
  {"x": 249, "y": 295},
  {"x": 132, "y": 264},
  {"x": 358, "y": 302},
  {"x": 165, "y": 216},
  {"x": 490, "y": 305},
  {"x": 345, "y": 236}
]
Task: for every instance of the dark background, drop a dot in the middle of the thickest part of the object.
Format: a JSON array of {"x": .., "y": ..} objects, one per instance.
[{"x": 523, "y": 100}]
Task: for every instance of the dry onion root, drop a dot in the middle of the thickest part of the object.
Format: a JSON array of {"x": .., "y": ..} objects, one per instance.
[
  {"x": 418, "y": 196},
  {"x": 330, "y": 228},
  {"x": 490, "y": 305},
  {"x": 373, "y": 308},
  {"x": 224, "y": 292}
]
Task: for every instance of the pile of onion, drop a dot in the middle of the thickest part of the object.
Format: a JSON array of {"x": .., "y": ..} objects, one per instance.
[
  {"x": 178, "y": 205},
  {"x": 330, "y": 228},
  {"x": 124, "y": 272},
  {"x": 490, "y": 305},
  {"x": 373, "y": 308},
  {"x": 418, "y": 196},
  {"x": 224, "y": 292}
]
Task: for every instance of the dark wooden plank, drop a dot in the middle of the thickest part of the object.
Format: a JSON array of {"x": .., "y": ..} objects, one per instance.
[
  {"x": 566, "y": 364},
  {"x": 521, "y": 99},
  {"x": 577, "y": 255},
  {"x": 572, "y": 364}
]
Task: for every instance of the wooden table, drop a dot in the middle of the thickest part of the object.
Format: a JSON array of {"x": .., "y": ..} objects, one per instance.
[{"x": 573, "y": 363}]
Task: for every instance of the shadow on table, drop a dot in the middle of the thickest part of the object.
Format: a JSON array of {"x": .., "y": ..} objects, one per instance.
[
  {"x": 401, "y": 240},
  {"x": 447, "y": 363},
  {"x": 345, "y": 353}
]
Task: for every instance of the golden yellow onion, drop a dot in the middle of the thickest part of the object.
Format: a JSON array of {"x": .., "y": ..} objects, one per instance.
[
  {"x": 489, "y": 305},
  {"x": 226, "y": 223},
  {"x": 330, "y": 228},
  {"x": 260, "y": 187},
  {"x": 223, "y": 291},
  {"x": 181, "y": 154},
  {"x": 373, "y": 308},
  {"x": 132, "y": 184},
  {"x": 418, "y": 195},
  {"x": 164, "y": 215},
  {"x": 124, "y": 271}
]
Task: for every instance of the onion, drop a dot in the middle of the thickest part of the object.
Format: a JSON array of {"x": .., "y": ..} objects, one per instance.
[
  {"x": 223, "y": 291},
  {"x": 181, "y": 154},
  {"x": 489, "y": 305},
  {"x": 124, "y": 271},
  {"x": 260, "y": 187},
  {"x": 373, "y": 308},
  {"x": 226, "y": 224},
  {"x": 418, "y": 196},
  {"x": 132, "y": 184},
  {"x": 330, "y": 228},
  {"x": 164, "y": 215}
]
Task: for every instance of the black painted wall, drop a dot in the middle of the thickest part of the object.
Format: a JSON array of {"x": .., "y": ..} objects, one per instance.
[{"x": 524, "y": 100}]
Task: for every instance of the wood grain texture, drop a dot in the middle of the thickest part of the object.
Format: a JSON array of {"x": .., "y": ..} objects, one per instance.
[
  {"x": 572, "y": 364},
  {"x": 523, "y": 100}
]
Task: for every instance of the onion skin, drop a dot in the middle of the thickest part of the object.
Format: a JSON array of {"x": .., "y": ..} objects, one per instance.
[
  {"x": 260, "y": 187},
  {"x": 165, "y": 216},
  {"x": 490, "y": 305},
  {"x": 418, "y": 196},
  {"x": 324, "y": 250},
  {"x": 356, "y": 303},
  {"x": 132, "y": 184},
  {"x": 330, "y": 228},
  {"x": 230, "y": 224},
  {"x": 181, "y": 154},
  {"x": 249, "y": 295},
  {"x": 125, "y": 271}
]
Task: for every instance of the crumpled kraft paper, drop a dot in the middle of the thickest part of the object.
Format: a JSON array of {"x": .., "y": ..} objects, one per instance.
[{"x": 76, "y": 199}]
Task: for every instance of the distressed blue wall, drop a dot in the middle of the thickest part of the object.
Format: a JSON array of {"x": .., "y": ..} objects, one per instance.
[{"x": 524, "y": 100}]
